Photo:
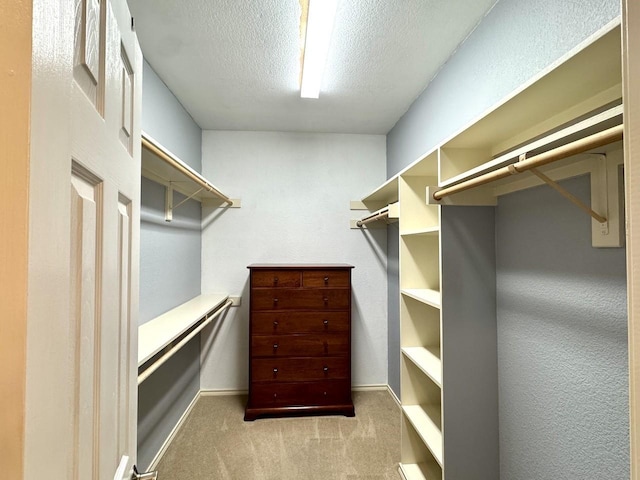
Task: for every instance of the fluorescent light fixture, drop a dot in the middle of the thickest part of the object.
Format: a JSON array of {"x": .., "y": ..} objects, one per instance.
[{"x": 319, "y": 28}]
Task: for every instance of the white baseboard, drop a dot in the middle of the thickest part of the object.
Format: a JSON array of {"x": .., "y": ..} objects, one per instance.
[
  {"x": 221, "y": 393},
  {"x": 368, "y": 388},
  {"x": 394, "y": 396},
  {"x": 354, "y": 388},
  {"x": 181, "y": 421}
]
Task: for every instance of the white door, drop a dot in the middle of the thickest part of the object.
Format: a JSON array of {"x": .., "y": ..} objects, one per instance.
[{"x": 81, "y": 394}]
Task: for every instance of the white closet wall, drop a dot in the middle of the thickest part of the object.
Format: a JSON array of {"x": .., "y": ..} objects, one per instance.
[{"x": 295, "y": 191}]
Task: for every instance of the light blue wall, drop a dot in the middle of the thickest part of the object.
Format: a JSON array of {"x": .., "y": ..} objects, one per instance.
[
  {"x": 170, "y": 266},
  {"x": 514, "y": 42},
  {"x": 169, "y": 252},
  {"x": 166, "y": 120},
  {"x": 562, "y": 342},
  {"x": 468, "y": 344}
]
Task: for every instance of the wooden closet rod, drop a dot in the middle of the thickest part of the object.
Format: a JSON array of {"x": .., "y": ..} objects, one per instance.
[
  {"x": 152, "y": 147},
  {"x": 379, "y": 215},
  {"x": 167, "y": 355},
  {"x": 579, "y": 146}
]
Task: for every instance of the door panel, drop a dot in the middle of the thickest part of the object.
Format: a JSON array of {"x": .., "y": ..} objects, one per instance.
[
  {"x": 103, "y": 133},
  {"x": 85, "y": 208},
  {"x": 83, "y": 265},
  {"x": 89, "y": 48}
]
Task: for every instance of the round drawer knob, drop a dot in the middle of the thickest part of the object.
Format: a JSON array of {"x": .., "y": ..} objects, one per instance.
[
  {"x": 325, "y": 322},
  {"x": 275, "y": 395},
  {"x": 275, "y": 324},
  {"x": 326, "y": 279},
  {"x": 275, "y": 300},
  {"x": 275, "y": 345},
  {"x": 326, "y": 369},
  {"x": 326, "y": 300},
  {"x": 325, "y": 394},
  {"x": 275, "y": 280}
]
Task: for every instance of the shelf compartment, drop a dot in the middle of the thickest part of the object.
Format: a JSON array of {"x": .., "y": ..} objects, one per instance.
[
  {"x": 420, "y": 265},
  {"x": 424, "y": 295},
  {"x": 422, "y": 400},
  {"x": 571, "y": 88},
  {"x": 595, "y": 122},
  {"x": 425, "y": 419},
  {"x": 417, "y": 462},
  {"x": 383, "y": 195},
  {"x": 426, "y": 359},
  {"x": 425, "y": 166},
  {"x": 420, "y": 471},
  {"x": 415, "y": 213},
  {"x": 420, "y": 325}
]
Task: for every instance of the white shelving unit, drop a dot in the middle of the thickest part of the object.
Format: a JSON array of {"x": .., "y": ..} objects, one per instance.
[{"x": 448, "y": 338}]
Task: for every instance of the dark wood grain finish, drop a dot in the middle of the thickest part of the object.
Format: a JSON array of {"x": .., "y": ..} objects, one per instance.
[
  {"x": 291, "y": 394},
  {"x": 326, "y": 278},
  {"x": 276, "y": 278},
  {"x": 299, "y": 369},
  {"x": 286, "y": 322},
  {"x": 300, "y": 299},
  {"x": 300, "y": 340},
  {"x": 299, "y": 345}
]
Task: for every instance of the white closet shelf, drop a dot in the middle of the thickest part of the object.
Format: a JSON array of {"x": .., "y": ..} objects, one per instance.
[
  {"x": 420, "y": 471},
  {"x": 422, "y": 232},
  {"x": 426, "y": 359},
  {"x": 424, "y": 295},
  {"x": 556, "y": 95},
  {"x": 389, "y": 214},
  {"x": 426, "y": 420},
  {"x": 165, "y": 168},
  {"x": 384, "y": 194},
  {"x": 161, "y": 331},
  {"x": 591, "y": 124}
]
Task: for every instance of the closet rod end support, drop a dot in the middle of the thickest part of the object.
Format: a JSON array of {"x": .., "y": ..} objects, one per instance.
[{"x": 431, "y": 197}]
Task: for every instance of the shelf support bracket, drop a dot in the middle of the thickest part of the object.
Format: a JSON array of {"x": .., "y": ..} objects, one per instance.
[
  {"x": 568, "y": 195},
  {"x": 168, "y": 204},
  {"x": 189, "y": 197}
]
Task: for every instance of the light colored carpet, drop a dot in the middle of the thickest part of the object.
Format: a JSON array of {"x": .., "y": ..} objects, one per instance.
[{"x": 215, "y": 443}]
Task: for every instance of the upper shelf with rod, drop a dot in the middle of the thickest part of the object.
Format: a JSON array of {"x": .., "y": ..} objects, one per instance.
[
  {"x": 389, "y": 214},
  {"x": 165, "y": 168}
]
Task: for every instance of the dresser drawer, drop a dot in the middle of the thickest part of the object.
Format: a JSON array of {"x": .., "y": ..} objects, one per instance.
[
  {"x": 276, "y": 278},
  {"x": 299, "y": 345},
  {"x": 263, "y": 323},
  {"x": 326, "y": 278},
  {"x": 311, "y": 299},
  {"x": 294, "y": 369},
  {"x": 328, "y": 392}
]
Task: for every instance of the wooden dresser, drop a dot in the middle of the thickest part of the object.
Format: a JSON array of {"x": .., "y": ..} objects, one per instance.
[{"x": 300, "y": 340}]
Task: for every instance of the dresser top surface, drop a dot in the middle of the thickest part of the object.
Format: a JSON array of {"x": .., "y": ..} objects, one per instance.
[{"x": 297, "y": 266}]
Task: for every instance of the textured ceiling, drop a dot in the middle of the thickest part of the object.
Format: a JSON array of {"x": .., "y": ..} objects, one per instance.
[{"x": 235, "y": 64}]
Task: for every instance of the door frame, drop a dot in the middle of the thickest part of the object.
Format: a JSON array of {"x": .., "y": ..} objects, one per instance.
[
  {"x": 15, "y": 95},
  {"x": 631, "y": 94}
]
